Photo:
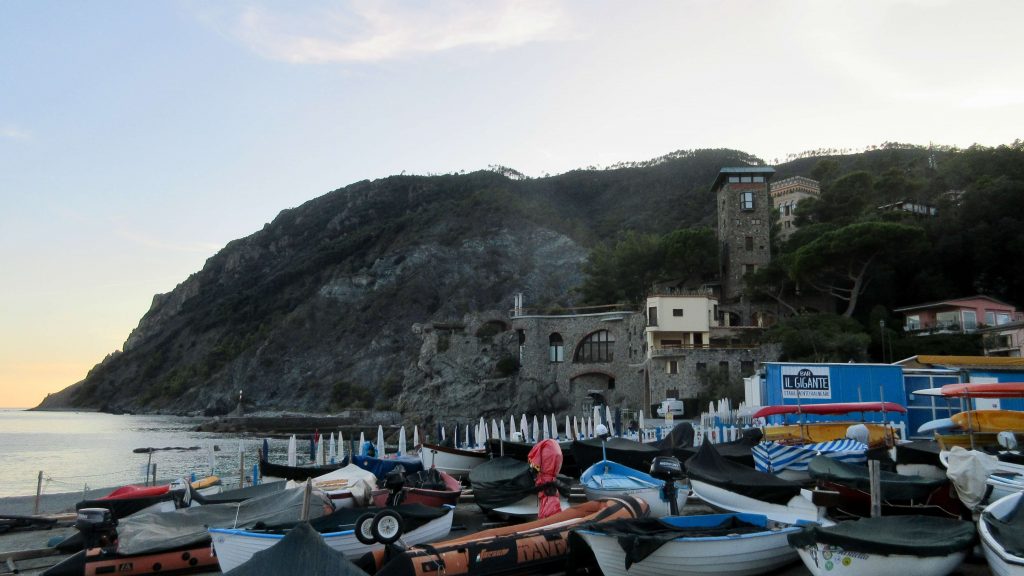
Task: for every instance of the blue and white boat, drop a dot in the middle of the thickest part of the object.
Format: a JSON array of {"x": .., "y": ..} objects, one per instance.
[
  {"x": 715, "y": 544},
  {"x": 607, "y": 479},
  {"x": 790, "y": 461}
]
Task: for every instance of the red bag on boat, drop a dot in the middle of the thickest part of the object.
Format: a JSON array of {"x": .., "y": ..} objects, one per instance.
[{"x": 546, "y": 459}]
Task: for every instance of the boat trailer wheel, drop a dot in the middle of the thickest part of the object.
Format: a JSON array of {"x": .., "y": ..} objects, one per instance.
[
  {"x": 387, "y": 526},
  {"x": 363, "y": 529}
]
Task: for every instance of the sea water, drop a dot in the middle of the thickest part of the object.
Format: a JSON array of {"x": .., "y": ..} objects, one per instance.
[{"x": 78, "y": 450}]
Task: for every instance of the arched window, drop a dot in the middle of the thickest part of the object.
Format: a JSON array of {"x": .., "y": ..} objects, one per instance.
[
  {"x": 556, "y": 348},
  {"x": 598, "y": 347}
]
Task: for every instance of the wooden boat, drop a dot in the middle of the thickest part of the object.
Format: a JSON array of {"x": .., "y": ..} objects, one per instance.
[
  {"x": 128, "y": 500},
  {"x": 431, "y": 488},
  {"x": 789, "y": 461},
  {"x": 235, "y": 547},
  {"x": 727, "y": 485},
  {"x": 607, "y": 479},
  {"x": 886, "y": 546},
  {"x": 812, "y": 432},
  {"x": 301, "y": 551},
  {"x": 900, "y": 494},
  {"x": 713, "y": 544},
  {"x": 536, "y": 547},
  {"x": 1000, "y": 529},
  {"x": 453, "y": 461},
  {"x": 270, "y": 471}
]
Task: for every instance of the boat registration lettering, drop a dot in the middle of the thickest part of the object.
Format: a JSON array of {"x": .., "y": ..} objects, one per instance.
[{"x": 491, "y": 554}]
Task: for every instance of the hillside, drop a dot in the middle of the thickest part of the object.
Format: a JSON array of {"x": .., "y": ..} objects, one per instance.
[
  {"x": 316, "y": 311},
  {"x": 332, "y": 305}
]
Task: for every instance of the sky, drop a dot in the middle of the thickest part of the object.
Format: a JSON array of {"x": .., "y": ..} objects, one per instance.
[{"x": 138, "y": 138}]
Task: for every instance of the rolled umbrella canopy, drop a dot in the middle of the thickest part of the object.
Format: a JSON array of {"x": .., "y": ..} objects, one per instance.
[
  {"x": 380, "y": 441},
  {"x": 341, "y": 447},
  {"x": 292, "y": 451},
  {"x": 401, "y": 441},
  {"x": 332, "y": 450},
  {"x": 524, "y": 428},
  {"x": 536, "y": 430}
]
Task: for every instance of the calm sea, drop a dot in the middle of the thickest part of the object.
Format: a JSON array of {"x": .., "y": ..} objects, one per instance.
[{"x": 79, "y": 449}]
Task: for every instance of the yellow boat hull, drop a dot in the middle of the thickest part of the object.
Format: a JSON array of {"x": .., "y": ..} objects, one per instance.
[
  {"x": 989, "y": 420},
  {"x": 811, "y": 433}
]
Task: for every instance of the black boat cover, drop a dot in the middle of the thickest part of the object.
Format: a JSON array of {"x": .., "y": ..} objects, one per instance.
[
  {"x": 641, "y": 537},
  {"x": 738, "y": 450},
  {"x": 156, "y": 531},
  {"x": 521, "y": 451},
  {"x": 429, "y": 479},
  {"x": 500, "y": 482},
  {"x": 707, "y": 465},
  {"x": 630, "y": 453},
  {"x": 1008, "y": 530},
  {"x": 301, "y": 551},
  {"x": 680, "y": 437},
  {"x": 887, "y": 535},
  {"x": 298, "y": 473},
  {"x": 919, "y": 452},
  {"x": 894, "y": 486}
]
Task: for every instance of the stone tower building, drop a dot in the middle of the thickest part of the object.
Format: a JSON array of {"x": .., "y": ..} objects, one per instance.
[
  {"x": 744, "y": 222},
  {"x": 785, "y": 196}
]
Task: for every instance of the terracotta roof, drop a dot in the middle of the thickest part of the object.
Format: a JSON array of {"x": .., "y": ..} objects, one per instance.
[{"x": 987, "y": 361}]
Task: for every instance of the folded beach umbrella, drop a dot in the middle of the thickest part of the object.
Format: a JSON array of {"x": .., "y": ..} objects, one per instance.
[
  {"x": 292, "y": 454},
  {"x": 401, "y": 441},
  {"x": 332, "y": 450},
  {"x": 380, "y": 441}
]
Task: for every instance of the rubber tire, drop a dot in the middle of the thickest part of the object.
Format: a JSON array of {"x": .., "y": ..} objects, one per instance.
[
  {"x": 364, "y": 529},
  {"x": 387, "y": 526}
]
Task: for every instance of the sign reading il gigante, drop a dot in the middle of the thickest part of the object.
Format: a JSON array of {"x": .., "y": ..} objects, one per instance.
[{"x": 806, "y": 382}]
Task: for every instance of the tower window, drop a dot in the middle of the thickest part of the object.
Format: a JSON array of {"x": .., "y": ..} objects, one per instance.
[
  {"x": 747, "y": 200},
  {"x": 749, "y": 242},
  {"x": 678, "y": 312}
]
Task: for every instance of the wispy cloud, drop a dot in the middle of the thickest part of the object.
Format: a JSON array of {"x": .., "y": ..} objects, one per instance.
[
  {"x": 371, "y": 31},
  {"x": 14, "y": 133}
]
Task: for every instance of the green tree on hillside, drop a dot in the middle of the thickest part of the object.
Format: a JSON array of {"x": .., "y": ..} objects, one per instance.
[{"x": 840, "y": 262}]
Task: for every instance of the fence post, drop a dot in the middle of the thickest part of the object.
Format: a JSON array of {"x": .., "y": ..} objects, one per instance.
[{"x": 39, "y": 490}]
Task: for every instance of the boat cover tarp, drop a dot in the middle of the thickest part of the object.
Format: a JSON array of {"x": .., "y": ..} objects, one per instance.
[
  {"x": 429, "y": 479},
  {"x": 887, "y": 535},
  {"x": 124, "y": 505},
  {"x": 919, "y": 452},
  {"x": 627, "y": 452},
  {"x": 301, "y": 551},
  {"x": 1008, "y": 530},
  {"x": 680, "y": 437},
  {"x": 361, "y": 483},
  {"x": 239, "y": 494},
  {"x": 641, "y": 537},
  {"x": 381, "y": 466},
  {"x": 968, "y": 470},
  {"x": 707, "y": 465},
  {"x": 546, "y": 459},
  {"x": 738, "y": 450},
  {"x": 500, "y": 482},
  {"x": 894, "y": 486},
  {"x": 156, "y": 531}
]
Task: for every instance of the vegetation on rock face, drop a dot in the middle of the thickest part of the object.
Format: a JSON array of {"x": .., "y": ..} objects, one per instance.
[{"x": 313, "y": 312}]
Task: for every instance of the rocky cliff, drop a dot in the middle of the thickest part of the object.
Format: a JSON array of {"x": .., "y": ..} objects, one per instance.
[{"x": 387, "y": 294}]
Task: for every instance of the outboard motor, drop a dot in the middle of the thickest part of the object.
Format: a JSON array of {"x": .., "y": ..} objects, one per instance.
[
  {"x": 668, "y": 469},
  {"x": 97, "y": 526},
  {"x": 393, "y": 482}
]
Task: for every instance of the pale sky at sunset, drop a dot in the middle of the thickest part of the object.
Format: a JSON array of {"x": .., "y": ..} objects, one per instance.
[{"x": 138, "y": 138}]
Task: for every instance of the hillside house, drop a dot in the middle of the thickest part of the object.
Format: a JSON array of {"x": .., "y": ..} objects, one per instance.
[
  {"x": 786, "y": 194},
  {"x": 957, "y": 315}
]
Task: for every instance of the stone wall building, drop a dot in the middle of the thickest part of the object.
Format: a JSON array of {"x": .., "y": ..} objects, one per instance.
[{"x": 786, "y": 194}]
